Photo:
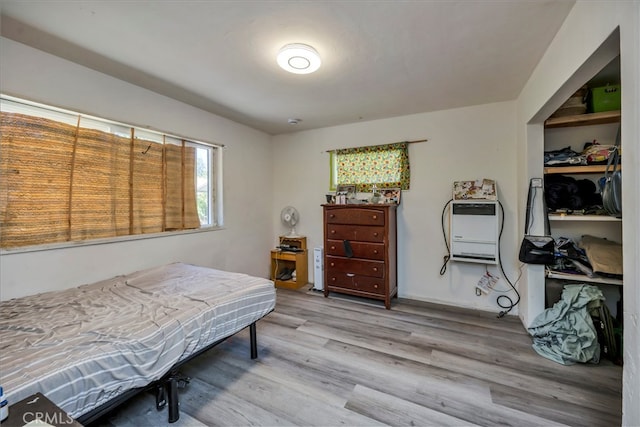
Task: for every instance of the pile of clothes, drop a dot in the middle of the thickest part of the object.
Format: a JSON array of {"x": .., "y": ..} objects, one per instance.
[
  {"x": 592, "y": 153},
  {"x": 567, "y": 193},
  {"x": 570, "y": 195},
  {"x": 565, "y": 333},
  {"x": 593, "y": 256}
]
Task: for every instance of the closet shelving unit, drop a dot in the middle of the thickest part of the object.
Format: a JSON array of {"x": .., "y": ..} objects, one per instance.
[{"x": 602, "y": 118}]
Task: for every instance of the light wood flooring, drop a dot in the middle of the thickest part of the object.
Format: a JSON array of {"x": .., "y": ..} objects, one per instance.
[{"x": 338, "y": 361}]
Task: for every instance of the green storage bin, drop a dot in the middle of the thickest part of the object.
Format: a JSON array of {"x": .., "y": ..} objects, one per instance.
[{"x": 606, "y": 98}]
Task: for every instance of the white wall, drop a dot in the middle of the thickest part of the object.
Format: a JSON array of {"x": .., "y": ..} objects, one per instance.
[
  {"x": 582, "y": 47},
  {"x": 243, "y": 245},
  {"x": 464, "y": 144}
]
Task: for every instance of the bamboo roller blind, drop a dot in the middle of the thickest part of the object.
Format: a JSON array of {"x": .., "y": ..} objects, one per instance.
[{"x": 60, "y": 182}]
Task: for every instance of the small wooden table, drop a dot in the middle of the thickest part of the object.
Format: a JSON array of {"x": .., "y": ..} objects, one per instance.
[{"x": 282, "y": 259}]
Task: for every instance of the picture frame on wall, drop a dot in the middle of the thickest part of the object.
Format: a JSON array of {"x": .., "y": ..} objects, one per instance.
[{"x": 391, "y": 195}]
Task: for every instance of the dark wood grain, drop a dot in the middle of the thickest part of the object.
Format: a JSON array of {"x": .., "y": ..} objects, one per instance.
[{"x": 338, "y": 361}]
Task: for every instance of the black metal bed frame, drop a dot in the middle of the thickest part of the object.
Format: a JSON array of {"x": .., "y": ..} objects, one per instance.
[{"x": 166, "y": 388}]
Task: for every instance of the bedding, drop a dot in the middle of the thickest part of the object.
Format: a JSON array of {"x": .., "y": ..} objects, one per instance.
[{"x": 85, "y": 346}]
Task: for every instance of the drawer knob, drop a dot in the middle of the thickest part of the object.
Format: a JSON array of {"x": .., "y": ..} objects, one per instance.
[
  {"x": 375, "y": 217},
  {"x": 333, "y": 279},
  {"x": 333, "y": 264},
  {"x": 333, "y": 231},
  {"x": 375, "y": 234},
  {"x": 350, "y": 274},
  {"x": 333, "y": 248},
  {"x": 375, "y": 251},
  {"x": 375, "y": 286},
  {"x": 375, "y": 268},
  {"x": 332, "y": 216}
]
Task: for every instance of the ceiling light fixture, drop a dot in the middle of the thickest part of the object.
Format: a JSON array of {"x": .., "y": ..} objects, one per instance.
[{"x": 299, "y": 58}]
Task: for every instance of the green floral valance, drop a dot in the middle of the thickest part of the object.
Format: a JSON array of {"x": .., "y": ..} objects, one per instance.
[{"x": 386, "y": 166}]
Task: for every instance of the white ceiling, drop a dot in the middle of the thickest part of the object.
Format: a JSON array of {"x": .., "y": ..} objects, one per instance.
[{"x": 380, "y": 58}]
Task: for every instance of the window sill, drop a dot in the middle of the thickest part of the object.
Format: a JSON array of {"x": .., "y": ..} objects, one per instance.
[{"x": 106, "y": 241}]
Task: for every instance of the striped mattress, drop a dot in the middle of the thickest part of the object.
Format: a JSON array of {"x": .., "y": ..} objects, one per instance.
[{"x": 85, "y": 346}]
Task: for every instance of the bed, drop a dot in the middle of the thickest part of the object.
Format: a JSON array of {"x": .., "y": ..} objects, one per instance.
[{"x": 91, "y": 347}]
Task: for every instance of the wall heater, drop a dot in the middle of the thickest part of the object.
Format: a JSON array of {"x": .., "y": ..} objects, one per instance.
[{"x": 474, "y": 235}]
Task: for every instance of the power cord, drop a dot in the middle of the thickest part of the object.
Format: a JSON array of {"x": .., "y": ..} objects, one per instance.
[
  {"x": 510, "y": 304},
  {"x": 447, "y": 257}
]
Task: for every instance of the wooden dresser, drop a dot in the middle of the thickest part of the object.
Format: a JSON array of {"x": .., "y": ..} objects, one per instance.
[{"x": 360, "y": 251}]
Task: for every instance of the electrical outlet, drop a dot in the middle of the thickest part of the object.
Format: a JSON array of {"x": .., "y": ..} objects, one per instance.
[
  {"x": 478, "y": 292},
  {"x": 536, "y": 182}
]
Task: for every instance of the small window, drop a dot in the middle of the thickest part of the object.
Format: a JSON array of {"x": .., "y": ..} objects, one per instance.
[
  {"x": 205, "y": 189},
  {"x": 386, "y": 166},
  {"x": 67, "y": 177}
]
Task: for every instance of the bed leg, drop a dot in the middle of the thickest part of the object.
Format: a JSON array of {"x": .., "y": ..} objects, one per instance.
[
  {"x": 173, "y": 381},
  {"x": 174, "y": 410},
  {"x": 254, "y": 341},
  {"x": 161, "y": 399}
]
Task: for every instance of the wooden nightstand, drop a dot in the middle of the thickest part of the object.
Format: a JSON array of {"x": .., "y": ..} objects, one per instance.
[{"x": 282, "y": 259}]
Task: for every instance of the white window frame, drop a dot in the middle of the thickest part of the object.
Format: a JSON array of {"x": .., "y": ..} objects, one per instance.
[{"x": 216, "y": 209}]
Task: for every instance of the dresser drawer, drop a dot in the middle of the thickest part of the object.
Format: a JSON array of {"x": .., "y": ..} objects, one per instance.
[
  {"x": 359, "y": 249},
  {"x": 355, "y": 282},
  {"x": 355, "y": 232},
  {"x": 356, "y": 216},
  {"x": 355, "y": 266}
]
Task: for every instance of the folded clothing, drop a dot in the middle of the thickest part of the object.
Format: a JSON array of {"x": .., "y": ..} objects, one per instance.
[
  {"x": 605, "y": 256},
  {"x": 563, "y": 157}
]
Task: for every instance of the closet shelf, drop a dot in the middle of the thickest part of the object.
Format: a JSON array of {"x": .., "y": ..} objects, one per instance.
[
  {"x": 582, "y": 278},
  {"x": 583, "y": 119},
  {"x": 578, "y": 217},
  {"x": 576, "y": 169}
]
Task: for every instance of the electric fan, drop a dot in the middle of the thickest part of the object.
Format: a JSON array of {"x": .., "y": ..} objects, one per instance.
[{"x": 290, "y": 217}]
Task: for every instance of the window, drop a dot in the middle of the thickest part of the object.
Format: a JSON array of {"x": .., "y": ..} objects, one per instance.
[
  {"x": 67, "y": 177},
  {"x": 386, "y": 166}
]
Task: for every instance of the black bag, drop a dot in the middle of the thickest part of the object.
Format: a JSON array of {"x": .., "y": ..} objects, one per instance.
[
  {"x": 603, "y": 322},
  {"x": 612, "y": 188},
  {"x": 536, "y": 249}
]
